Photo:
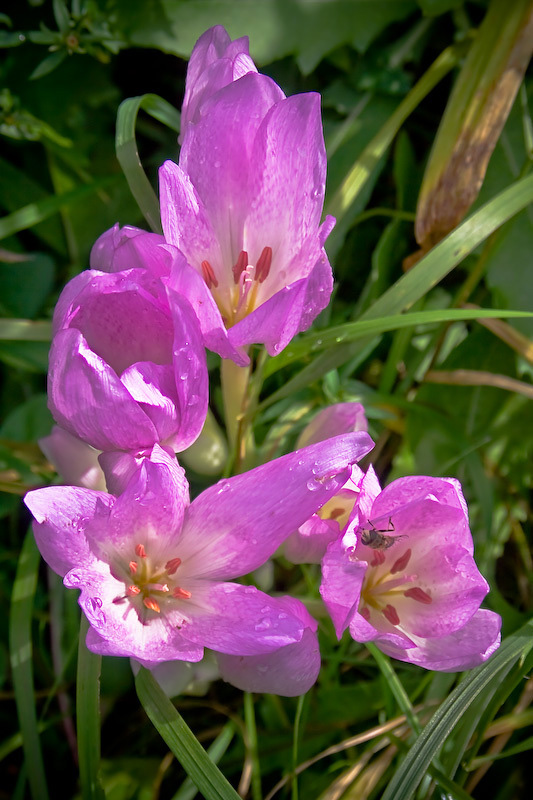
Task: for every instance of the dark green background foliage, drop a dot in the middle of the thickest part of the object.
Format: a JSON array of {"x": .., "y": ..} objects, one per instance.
[{"x": 66, "y": 68}]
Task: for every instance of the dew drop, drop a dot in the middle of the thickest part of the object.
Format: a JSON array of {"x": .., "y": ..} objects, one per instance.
[
  {"x": 224, "y": 488},
  {"x": 312, "y": 486},
  {"x": 263, "y": 625}
]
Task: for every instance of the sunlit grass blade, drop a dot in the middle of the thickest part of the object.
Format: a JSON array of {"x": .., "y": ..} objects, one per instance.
[
  {"x": 30, "y": 215},
  {"x": 180, "y": 739},
  {"x": 408, "y": 776},
  {"x": 20, "y": 645},
  {"x": 421, "y": 278},
  {"x": 128, "y": 154},
  {"x": 88, "y": 717},
  {"x": 351, "y": 331},
  {"x": 215, "y": 752},
  {"x": 25, "y": 330}
]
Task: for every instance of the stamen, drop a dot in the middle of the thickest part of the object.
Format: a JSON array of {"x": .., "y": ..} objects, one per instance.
[
  {"x": 336, "y": 513},
  {"x": 132, "y": 590},
  {"x": 240, "y": 266},
  {"x": 262, "y": 268},
  {"x": 172, "y": 565},
  {"x": 418, "y": 594},
  {"x": 378, "y": 558},
  {"x": 180, "y": 593},
  {"x": 152, "y": 604},
  {"x": 390, "y": 613},
  {"x": 401, "y": 563},
  {"x": 140, "y": 551},
  {"x": 208, "y": 274},
  {"x": 365, "y": 613},
  {"x": 133, "y": 567}
]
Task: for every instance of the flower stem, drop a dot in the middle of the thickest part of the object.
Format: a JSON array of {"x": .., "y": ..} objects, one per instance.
[
  {"x": 234, "y": 380},
  {"x": 249, "y": 718},
  {"x": 88, "y": 717},
  {"x": 396, "y": 686}
]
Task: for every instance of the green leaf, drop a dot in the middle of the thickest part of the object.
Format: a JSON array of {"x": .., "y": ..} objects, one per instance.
[
  {"x": 20, "y": 646},
  {"x": 25, "y": 286},
  {"x": 36, "y": 212},
  {"x": 178, "y": 736},
  {"x": 215, "y": 752},
  {"x": 408, "y": 776},
  {"x": 128, "y": 154},
  {"x": 88, "y": 717},
  {"x": 48, "y": 64},
  {"x": 351, "y": 331}
]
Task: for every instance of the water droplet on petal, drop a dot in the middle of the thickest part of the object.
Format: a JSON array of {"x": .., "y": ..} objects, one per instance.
[
  {"x": 312, "y": 485},
  {"x": 263, "y": 625}
]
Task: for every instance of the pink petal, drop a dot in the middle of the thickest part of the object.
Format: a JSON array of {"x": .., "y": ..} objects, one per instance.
[
  {"x": 308, "y": 544},
  {"x": 333, "y": 421},
  {"x": 130, "y": 248},
  {"x": 75, "y": 461},
  {"x": 234, "y": 526},
  {"x": 342, "y": 580}
]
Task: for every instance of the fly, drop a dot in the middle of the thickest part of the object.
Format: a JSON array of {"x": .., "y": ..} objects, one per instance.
[{"x": 378, "y": 538}]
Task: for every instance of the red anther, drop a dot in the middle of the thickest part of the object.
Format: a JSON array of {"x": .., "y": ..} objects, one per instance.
[
  {"x": 365, "y": 613},
  {"x": 181, "y": 593},
  {"x": 401, "y": 562},
  {"x": 262, "y": 268},
  {"x": 133, "y": 567},
  {"x": 172, "y": 565},
  {"x": 140, "y": 551},
  {"x": 390, "y": 613},
  {"x": 418, "y": 594},
  {"x": 132, "y": 590},
  {"x": 240, "y": 266},
  {"x": 152, "y": 604},
  {"x": 378, "y": 558},
  {"x": 208, "y": 274},
  {"x": 336, "y": 513}
]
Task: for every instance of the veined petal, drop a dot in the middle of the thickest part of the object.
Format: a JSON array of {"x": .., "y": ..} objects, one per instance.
[
  {"x": 153, "y": 387},
  {"x": 333, "y": 421},
  {"x": 234, "y": 526},
  {"x": 87, "y": 398},
  {"x": 342, "y": 580},
  {"x": 288, "y": 671},
  {"x": 130, "y": 248},
  {"x": 241, "y": 620},
  {"x": 308, "y": 544},
  {"x": 75, "y": 461},
  {"x": 61, "y": 514}
]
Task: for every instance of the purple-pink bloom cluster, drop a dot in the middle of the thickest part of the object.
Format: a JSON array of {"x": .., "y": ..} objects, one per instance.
[{"x": 241, "y": 261}]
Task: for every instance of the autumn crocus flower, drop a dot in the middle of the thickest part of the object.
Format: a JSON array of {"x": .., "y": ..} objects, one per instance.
[
  {"x": 403, "y": 576},
  {"x": 308, "y": 544},
  {"x": 244, "y": 206},
  {"x": 156, "y": 574},
  {"x": 127, "y": 369}
]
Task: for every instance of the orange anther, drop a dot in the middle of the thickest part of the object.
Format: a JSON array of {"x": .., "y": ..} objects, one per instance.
[
  {"x": 152, "y": 604},
  {"x": 336, "y": 513},
  {"x": 172, "y": 565},
  {"x": 133, "y": 567},
  {"x": 140, "y": 551},
  {"x": 181, "y": 593},
  {"x": 132, "y": 590}
]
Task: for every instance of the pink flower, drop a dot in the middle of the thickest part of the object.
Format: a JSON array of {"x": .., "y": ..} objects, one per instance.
[
  {"x": 156, "y": 574},
  {"x": 245, "y": 202},
  {"x": 309, "y": 543},
  {"x": 127, "y": 369},
  {"x": 74, "y": 460},
  {"x": 403, "y": 575}
]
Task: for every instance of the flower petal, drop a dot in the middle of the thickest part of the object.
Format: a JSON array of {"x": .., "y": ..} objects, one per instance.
[
  {"x": 235, "y": 525},
  {"x": 61, "y": 514},
  {"x": 75, "y": 461},
  {"x": 241, "y": 620},
  {"x": 130, "y": 248},
  {"x": 308, "y": 544},
  {"x": 342, "y": 579},
  {"x": 333, "y": 421}
]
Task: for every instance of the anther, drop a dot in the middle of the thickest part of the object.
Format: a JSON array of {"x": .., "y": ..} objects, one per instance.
[
  {"x": 365, "y": 613},
  {"x": 172, "y": 565},
  {"x": 418, "y": 594},
  {"x": 133, "y": 567},
  {"x": 401, "y": 562},
  {"x": 152, "y": 604},
  {"x": 208, "y": 274},
  {"x": 390, "y": 614},
  {"x": 132, "y": 590},
  {"x": 336, "y": 513},
  {"x": 240, "y": 266},
  {"x": 262, "y": 268},
  {"x": 140, "y": 551},
  {"x": 180, "y": 593},
  {"x": 378, "y": 558}
]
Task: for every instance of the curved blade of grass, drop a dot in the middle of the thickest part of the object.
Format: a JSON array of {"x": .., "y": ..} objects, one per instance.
[
  {"x": 20, "y": 647},
  {"x": 128, "y": 154},
  {"x": 421, "y": 278},
  {"x": 412, "y": 770},
  {"x": 215, "y": 752},
  {"x": 349, "y": 332},
  {"x": 180, "y": 739},
  {"x": 25, "y": 330},
  {"x": 33, "y": 213},
  {"x": 88, "y": 717}
]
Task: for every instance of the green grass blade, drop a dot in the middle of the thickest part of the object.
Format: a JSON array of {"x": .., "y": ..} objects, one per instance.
[
  {"x": 128, "y": 154},
  {"x": 215, "y": 751},
  {"x": 30, "y": 215},
  {"x": 351, "y": 331},
  {"x": 421, "y": 278},
  {"x": 415, "y": 766},
  {"x": 20, "y": 646},
  {"x": 180, "y": 739},
  {"x": 25, "y": 330},
  {"x": 88, "y": 717}
]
